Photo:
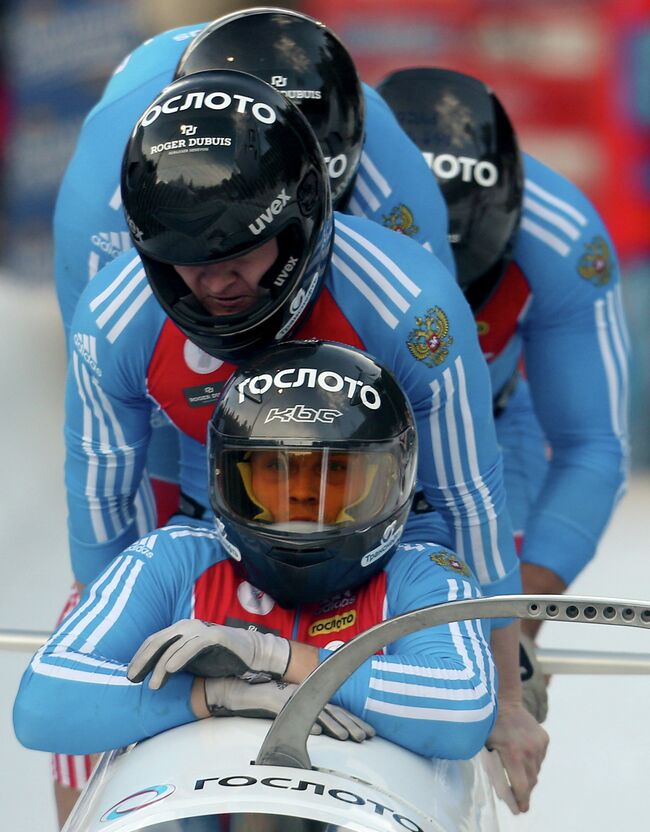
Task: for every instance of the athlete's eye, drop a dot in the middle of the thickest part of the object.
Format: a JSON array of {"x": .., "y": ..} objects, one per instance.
[
  {"x": 337, "y": 466},
  {"x": 273, "y": 463}
]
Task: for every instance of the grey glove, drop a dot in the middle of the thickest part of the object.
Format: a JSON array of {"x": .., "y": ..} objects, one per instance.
[
  {"x": 533, "y": 682},
  {"x": 210, "y": 650},
  {"x": 234, "y": 697}
]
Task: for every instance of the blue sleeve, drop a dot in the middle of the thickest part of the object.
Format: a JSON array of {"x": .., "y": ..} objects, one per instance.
[
  {"x": 74, "y": 697},
  {"x": 89, "y": 225},
  {"x": 576, "y": 353},
  {"x": 107, "y": 413},
  {"x": 411, "y": 314},
  {"x": 395, "y": 187},
  {"x": 433, "y": 692},
  {"x": 156, "y": 57}
]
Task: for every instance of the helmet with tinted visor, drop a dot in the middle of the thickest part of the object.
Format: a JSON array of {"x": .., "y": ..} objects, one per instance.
[{"x": 312, "y": 467}]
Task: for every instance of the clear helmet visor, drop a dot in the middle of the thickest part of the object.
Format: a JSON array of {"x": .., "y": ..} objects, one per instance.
[{"x": 304, "y": 490}]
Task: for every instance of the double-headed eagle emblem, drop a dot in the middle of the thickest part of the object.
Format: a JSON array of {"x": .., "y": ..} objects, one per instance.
[
  {"x": 595, "y": 264},
  {"x": 449, "y": 561},
  {"x": 430, "y": 339},
  {"x": 401, "y": 219}
]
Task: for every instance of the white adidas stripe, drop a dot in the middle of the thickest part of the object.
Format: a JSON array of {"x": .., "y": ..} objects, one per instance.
[
  {"x": 439, "y": 714},
  {"x": 80, "y": 610},
  {"x": 121, "y": 298},
  {"x": 58, "y": 672},
  {"x": 116, "y": 200},
  {"x": 411, "y": 689},
  {"x": 614, "y": 316},
  {"x": 546, "y": 236},
  {"x": 609, "y": 366},
  {"x": 99, "y": 597},
  {"x": 366, "y": 291},
  {"x": 373, "y": 172},
  {"x": 551, "y": 217},
  {"x": 374, "y": 274},
  {"x": 128, "y": 454},
  {"x": 121, "y": 277},
  {"x": 130, "y": 313},
  {"x": 555, "y": 201},
  {"x": 195, "y": 533},
  {"x": 376, "y": 252},
  {"x": 90, "y": 487},
  {"x": 458, "y": 477},
  {"x": 116, "y": 610},
  {"x": 363, "y": 189},
  {"x": 472, "y": 456},
  {"x": 93, "y": 264},
  {"x": 146, "y": 515}
]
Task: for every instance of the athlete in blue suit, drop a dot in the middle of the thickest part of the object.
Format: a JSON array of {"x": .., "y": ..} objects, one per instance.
[
  {"x": 540, "y": 270},
  {"x": 287, "y": 468}
]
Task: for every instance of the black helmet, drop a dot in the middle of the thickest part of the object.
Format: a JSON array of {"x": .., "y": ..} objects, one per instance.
[
  {"x": 304, "y": 61},
  {"x": 312, "y": 455},
  {"x": 466, "y": 137},
  {"x": 216, "y": 167}
]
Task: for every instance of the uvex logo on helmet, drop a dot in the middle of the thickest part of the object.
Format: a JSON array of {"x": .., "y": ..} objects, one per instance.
[
  {"x": 448, "y": 166},
  {"x": 136, "y": 233},
  {"x": 267, "y": 217},
  {"x": 298, "y": 304},
  {"x": 327, "y": 380},
  {"x": 199, "y": 100}
]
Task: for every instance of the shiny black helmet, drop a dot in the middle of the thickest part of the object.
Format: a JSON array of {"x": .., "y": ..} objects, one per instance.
[
  {"x": 305, "y": 62},
  {"x": 312, "y": 459},
  {"x": 219, "y": 165},
  {"x": 467, "y": 138}
]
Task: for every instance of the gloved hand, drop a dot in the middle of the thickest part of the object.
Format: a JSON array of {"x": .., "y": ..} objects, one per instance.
[
  {"x": 210, "y": 650},
  {"x": 234, "y": 697},
  {"x": 533, "y": 681}
]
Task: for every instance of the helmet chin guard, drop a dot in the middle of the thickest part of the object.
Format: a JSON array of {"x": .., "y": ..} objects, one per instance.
[{"x": 312, "y": 455}]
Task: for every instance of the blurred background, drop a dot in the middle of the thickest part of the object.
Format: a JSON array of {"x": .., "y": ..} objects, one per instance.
[{"x": 574, "y": 76}]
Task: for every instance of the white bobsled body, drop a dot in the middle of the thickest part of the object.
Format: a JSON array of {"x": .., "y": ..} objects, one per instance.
[{"x": 180, "y": 780}]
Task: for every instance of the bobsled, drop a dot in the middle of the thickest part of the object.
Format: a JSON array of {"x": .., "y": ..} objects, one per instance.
[
  {"x": 204, "y": 777},
  {"x": 240, "y": 775}
]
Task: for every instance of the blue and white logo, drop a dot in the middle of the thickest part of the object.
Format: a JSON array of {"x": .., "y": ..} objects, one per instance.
[
  {"x": 139, "y": 800},
  {"x": 390, "y": 537}
]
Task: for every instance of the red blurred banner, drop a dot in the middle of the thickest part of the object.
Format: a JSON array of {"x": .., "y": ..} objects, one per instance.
[{"x": 571, "y": 75}]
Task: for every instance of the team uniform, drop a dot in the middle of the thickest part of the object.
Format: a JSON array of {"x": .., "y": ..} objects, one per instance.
[
  {"x": 393, "y": 186},
  {"x": 383, "y": 294},
  {"x": 559, "y": 309},
  {"x": 432, "y": 692}
]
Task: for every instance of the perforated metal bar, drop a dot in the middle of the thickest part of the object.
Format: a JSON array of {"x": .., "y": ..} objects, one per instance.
[{"x": 286, "y": 742}]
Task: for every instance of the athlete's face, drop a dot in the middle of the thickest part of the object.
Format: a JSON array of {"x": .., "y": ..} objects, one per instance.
[
  {"x": 309, "y": 486},
  {"x": 231, "y": 286}
]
